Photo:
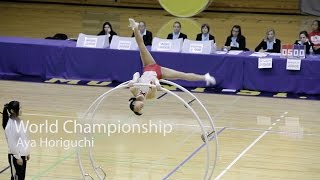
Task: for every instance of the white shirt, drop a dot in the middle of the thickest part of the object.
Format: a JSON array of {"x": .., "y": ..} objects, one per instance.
[
  {"x": 144, "y": 32},
  {"x": 234, "y": 42},
  {"x": 175, "y": 36},
  {"x": 148, "y": 77},
  {"x": 270, "y": 44},
  {"x": 205, "y": 37},
  {"x": 17, "y": 139}
]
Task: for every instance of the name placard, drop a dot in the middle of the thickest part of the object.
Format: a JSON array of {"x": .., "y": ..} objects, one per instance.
[
  {"x": 123, "y": 43},
  {"x": 166, "y": 45},
  {"x": 198, "y": 47},
  {"x": 91, "y": 41},
  {"x": 293, "y": 64},
  {"x": 265, "y": 63}
]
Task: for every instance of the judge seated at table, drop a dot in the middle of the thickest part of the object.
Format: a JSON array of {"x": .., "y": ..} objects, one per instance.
[
  {"x": 270, "y": 43},
  {"x": 205, "y": 34},
  {"x": 177, "y": 34},
  {"x": 107, "y": 30},
  {"x": 146, "y": 35},
  {"x": 236, "y": 41},
  {"x": 304, "y": 40}
]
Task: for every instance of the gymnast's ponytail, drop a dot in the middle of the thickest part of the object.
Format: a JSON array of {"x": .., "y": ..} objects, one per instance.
[{"x": 5, "y": 116}]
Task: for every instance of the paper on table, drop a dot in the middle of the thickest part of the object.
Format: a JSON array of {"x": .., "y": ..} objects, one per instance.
[
  {"x": 234, "y": 52},
  {"x": 258, "y": 54},
  {"x": 221, "y": 52},
  {"x": 274, "y": 54}
]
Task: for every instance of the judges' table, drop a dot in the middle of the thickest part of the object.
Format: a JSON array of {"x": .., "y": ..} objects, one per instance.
[
  {"x": 61, "y": 59},
  {"x": 44, "y": 59},
  {"x": 278, "y": 79}
]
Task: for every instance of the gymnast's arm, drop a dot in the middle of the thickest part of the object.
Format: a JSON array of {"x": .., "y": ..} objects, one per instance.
[
  {"x": 152, "y": 93},
  {"x": 134, "y": 91},
  {"x": 153, "y": 90}
]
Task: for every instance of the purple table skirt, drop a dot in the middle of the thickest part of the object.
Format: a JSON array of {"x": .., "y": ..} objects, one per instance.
[{"x": 62, "y": 59}]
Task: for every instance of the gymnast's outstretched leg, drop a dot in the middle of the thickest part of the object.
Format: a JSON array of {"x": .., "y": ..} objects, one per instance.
[
  {"x": 146, "y": 57},
  {"x": 171, "y": 74},
  {"x": 166, "y": 73},
  {"x": 152, "y": 72}
]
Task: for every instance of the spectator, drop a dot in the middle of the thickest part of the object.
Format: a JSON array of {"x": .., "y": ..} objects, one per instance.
[
  {"x": 146, "y": 35},
  {"x": 315, "y": 36},
  {"x": 304, "y": 40},
  {"x": 270, "y": 43},
  {"x": 236, "y": 41},
  {"x": 107, "y": 30},
  {"x": 205, "y": 34},
  {"x": 177, "y": 32}
]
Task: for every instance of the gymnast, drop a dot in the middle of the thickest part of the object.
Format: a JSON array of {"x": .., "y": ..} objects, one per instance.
[{"x": 152, "y": 72}]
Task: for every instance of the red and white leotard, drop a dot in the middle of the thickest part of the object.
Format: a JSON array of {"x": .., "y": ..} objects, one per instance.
[
  {"x": 155, "y": 68},
  {"x": 151, "y": 74}
]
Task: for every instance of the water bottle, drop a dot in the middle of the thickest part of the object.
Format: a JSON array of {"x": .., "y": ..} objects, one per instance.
[{"x": 311, "y": 50}]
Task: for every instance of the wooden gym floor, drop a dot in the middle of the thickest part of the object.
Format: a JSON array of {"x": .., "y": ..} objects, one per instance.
[{"x": 260, "y": 138}]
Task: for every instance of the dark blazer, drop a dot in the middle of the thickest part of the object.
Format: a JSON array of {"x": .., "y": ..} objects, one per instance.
[
  {"x": 112, "y": 33},
  {"x": 240, "y": 39},
  {"x": 263, "y": 44},
  {"x": 199, "y": 37},
  {"x": 183, "y": 36},
  {"x": 307, "y": 44},
  {"x": 147, "y": 39}
]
